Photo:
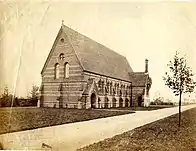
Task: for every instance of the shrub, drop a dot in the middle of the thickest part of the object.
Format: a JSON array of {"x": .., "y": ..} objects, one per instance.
[
  {"x": 152, "y": 103},
  {"x": 6, "y": 101},
  {"x": 161, "y": 103}
]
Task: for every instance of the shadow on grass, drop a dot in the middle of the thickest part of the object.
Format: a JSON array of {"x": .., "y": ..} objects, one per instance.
[{"x": 31, "y": 118}]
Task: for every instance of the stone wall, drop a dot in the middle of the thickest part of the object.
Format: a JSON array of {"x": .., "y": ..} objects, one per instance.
[
  {"x": 62, "y": 92},
  {"x": 69, "y": 92},
  {"x": 109, "y": 99}
]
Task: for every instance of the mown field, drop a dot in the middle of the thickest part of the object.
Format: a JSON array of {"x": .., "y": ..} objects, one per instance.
[
  {"x": 19, "y": 119},
  {"x": 162, "y": 135},
  {"x": 150, "y": 108}
]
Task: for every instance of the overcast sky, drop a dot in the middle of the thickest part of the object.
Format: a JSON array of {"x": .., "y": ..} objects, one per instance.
[{"x": 136, "y": 30}]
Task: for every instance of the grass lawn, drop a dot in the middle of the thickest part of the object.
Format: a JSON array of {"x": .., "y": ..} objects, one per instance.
[
  {"x": 151, "y": 107},
  {"x": 19, "y": 119},
  {"x": 162, "y": 135}
]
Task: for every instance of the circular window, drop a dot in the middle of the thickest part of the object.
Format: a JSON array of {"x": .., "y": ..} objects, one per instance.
[
  {"x": 62, "y": 56},
  {"x": 62, "y": 40}
]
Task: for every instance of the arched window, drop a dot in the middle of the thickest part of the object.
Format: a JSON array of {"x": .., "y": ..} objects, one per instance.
[
  {"x": 66, "y": 70},
  {"x": 102, "y": 86},
  {"x": 120, "y": 93},
  {"x": 61, "y": 56},
  {"x": 110, "y": 87},
  {"x": 57, "y": 71}
]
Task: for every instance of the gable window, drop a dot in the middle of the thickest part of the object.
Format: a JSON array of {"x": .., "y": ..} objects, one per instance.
[
  {"x": 99, "y": 83},
  {"x": 120, "y": 93},
  {"x": 107, "y": 86},
  {"x": 106, "y": 90},
  {"x": 126, "y": 93},
  {"x": 57, "y": 71},
  {"x": 114, "y": 91},
  {"x": 66, "y": 70},
  {"x": 110, "y": 87},
  {"x": 102, "y": 86},
  {"x": 61, "y": 56},
  {"x": 62, "y": 40},
  {"x": 117, "y": 88}
]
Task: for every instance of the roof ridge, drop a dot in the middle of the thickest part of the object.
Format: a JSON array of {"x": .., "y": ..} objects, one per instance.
[
  {"x": 72, "y": 47},
  {"x": 93, "y": 40},
  {"x": 96, "y": 57},
  {"x": 139, "y": 72}
]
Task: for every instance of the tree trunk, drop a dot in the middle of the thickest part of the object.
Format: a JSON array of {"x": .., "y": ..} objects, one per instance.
[{"x": 180, "y": 100}]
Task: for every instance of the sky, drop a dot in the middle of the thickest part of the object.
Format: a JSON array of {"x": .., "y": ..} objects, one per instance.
[{"x": 137, "y": 30}]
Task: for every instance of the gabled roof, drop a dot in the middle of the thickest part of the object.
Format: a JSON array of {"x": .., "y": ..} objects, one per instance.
[
  {"x": 97, "y": 58},
  {"x": 90, "y": 83},
  {"x": 139, "y": 78}
]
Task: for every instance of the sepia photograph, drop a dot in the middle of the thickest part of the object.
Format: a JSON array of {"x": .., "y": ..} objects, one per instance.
[{"x": 81, "y": 75}]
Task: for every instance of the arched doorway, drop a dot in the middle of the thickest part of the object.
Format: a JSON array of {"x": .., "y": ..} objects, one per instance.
[
  {"x": 120, "y": 102},
  {"x": 60, "y": 102},
  {"x": 99, "y": 102},
  {"x": 114, "y": 102},
  {"x": 93, "y": 100},
  {"x": 126, "y": 102},
  {"x": 139, "y": 100},
  {"x": 106, "y": 102},
  {"x": 131, "y": 103}
]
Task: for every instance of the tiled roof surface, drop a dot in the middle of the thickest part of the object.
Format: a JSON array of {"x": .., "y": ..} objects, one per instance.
[
  {"x": 97, "y": 58},
  {"x": 139, "y": 78}
]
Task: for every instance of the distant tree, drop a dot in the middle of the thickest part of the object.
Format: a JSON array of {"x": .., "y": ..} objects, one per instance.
[
  {"x": 34, "y": 95},
  {"x": 7, "y": 98},
  {"x": 16, "y": 101},
  {"x": 5, "y": 92},
  {"x": 179, "y": 78},
  {"x": 4, "y": 97},
  {"x": 157, "y": 99}
]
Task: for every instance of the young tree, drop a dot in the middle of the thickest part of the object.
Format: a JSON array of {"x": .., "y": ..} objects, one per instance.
[
  {"x": 4, "y": 97},
  {"x": 34, "y": 95},
  {"x": 34, "y": 92},
  {"x": 179, "y": 78},
  {"x": 5, "y": 92}
]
